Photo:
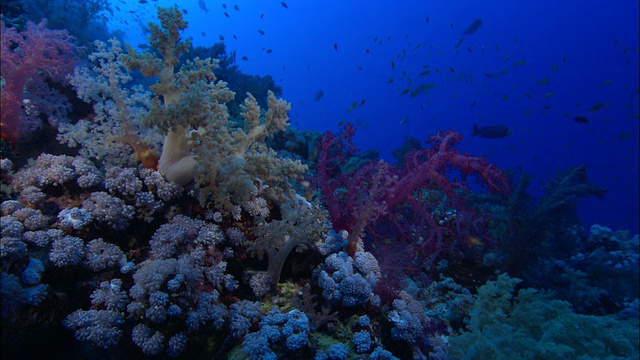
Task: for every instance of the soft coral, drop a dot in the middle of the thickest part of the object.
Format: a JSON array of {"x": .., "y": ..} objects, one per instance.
[
  {"x": 31, "y": 59},
  {"x": 420, "y": 200}
]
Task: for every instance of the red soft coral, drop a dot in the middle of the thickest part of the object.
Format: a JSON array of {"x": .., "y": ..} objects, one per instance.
[
  {"x": 30, "y": 60},
  {"x": 422, "y": 200}
]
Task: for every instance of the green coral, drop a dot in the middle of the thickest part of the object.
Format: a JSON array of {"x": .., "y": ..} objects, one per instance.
[
  {"x": 231, "y": 165},
  {"x": 527, "y": 324}
]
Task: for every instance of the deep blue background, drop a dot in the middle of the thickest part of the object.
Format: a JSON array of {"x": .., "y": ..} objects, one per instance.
[{"x": 575, "y": 45}]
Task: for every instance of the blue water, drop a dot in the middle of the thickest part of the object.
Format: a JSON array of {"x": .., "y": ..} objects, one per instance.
[{"x": 588, "y": 52}]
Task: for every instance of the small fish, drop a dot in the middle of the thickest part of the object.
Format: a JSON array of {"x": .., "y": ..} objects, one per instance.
[
  {"x": 474, "y": 103},
  {"x": 544, "y": 81},
  {"x": 564, "y": 58},
  {"x": 503, "y": 71},
  {"x": 342, "y": 122},
  {"x": 405, "y": 92},
  {"x": 224, "y": 6},
  {"x": 547, "y": 95},
  {"x": 393, "y": 64},
  {"x": 335, "y": 46},
  {"x": 452, "y": 69},
  {"x": 421, "y": 88},
  {"x": 597, "y": 107},
  {"x": 353, "y": 106},
  {"x": 504, "y": 97},
  {"x": 459, "y": 43},
  {"x": 235, "y": 37},
  {"x": 261, "y": 31},
  {"x": 226, "y": 14},
  {"x": 319, "y": 95},
  {"x": 367, "y": 50},
  {"x": 284, "y": 5},
  {"x": 469, "y": 48},
  {"x": 261, "y": 16},
  {"x": 236, "y": 7},
  {"x": 426, "y": 19},
  {"x": 184, "y": 11},
  {"x": 496, "y": 131},
  {"x": 581, "y": 119},
  {"x": 474, "y": 241},
  {"x": 203, "y": 33},
  {"x": 519, "y": 63},
  {"x": 390, "y": 80},
  {"x": 245, "y": 58},
  {"x": 142, "y": 1},
  {"x": 515, "y": 39},
  {"x": 451, "y": 26},
  {"x": 554, "y": 67},
  {"x": 203, "y": 6},
  {"x": 475, "y": 25},
  {"x": 269, "y": 51},
  {"x": 362, "y": 102},
  {"x": 606, "y": 82},
  {"x": 625, "y": 135},
  {"x": 404, "y": 120},
  {"x": 546, "y": 107},
  {"x": 426, "y": 72},
  {"x": 221, "y": 37},
  {"x": 528, "y": 95}
]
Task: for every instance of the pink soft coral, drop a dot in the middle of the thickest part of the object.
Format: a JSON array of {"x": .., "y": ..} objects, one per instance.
[
  {"x": 422, "y": 200},
  {"x": 31, "y": 59}
]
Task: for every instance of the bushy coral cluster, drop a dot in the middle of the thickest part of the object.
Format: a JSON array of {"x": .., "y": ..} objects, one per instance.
[
  {"x": 349, "y": 281},
  {"x": 32, "y": 60}
]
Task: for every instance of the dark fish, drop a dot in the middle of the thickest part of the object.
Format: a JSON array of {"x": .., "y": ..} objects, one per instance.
[
  {"x": 284, "y": 5},
  {"x": 224, "y": 6},
  {"x": 261, "y": 16},
  {"x": 475, "y": 25},
  {"x": 235, "y": 37},
  {"x": 221, "y": 37},
  {"x": 142, "y": 1},
  {"x": 203, "y": 33},
  {"x": 245, "y": 58},
  {"x": 497, "y": 131},
  {"x": 261, "y": 31},
  {"x": 236, "y": 7},
  {"x": 459, "y": 43},
  {"x": 367, "y": 51},
  {"x": 422, "y": 88},
  {"x": 452, "y": 69},
  {"x": 269, "y": 51},
  {"x": 184, "y": 11},
  {"x": 335, "y": 46},
  {"x": 362, "y": 102},
  {"x": 597, "y": 107},
  {"x": 227, "y": 15},
  {"x": 319, "y": 95},
  {"x": 581, "y": 119},
  {"x": 451, "y": 26},
  {"x": 427, "y": 19},
  {"x": 393, "y": 64},
  {"x": 203, "y": 6}
]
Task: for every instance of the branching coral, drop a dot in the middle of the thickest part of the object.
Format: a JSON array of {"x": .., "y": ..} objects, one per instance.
[{"x": 230, "y": 165}]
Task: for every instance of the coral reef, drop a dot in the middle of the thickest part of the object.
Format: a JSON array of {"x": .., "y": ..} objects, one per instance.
[{"x": 220, "y": 248}]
